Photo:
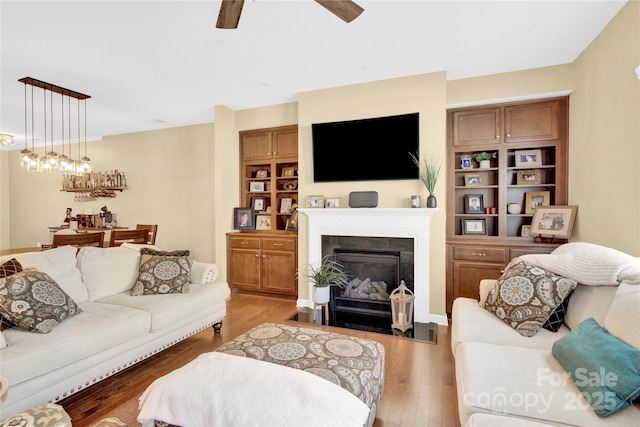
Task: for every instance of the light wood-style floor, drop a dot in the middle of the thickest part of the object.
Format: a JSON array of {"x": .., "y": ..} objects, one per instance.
[{"x": 419, "y": 386}]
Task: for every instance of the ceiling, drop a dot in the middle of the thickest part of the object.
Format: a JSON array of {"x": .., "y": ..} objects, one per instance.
[{"x": 157, "y": 64}]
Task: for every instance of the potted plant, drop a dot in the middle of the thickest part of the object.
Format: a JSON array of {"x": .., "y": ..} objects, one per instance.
[
  {"x": 329, "y": 273},
  {"x": 429, "y": 176},
  {"x": 484, "y": 159}
]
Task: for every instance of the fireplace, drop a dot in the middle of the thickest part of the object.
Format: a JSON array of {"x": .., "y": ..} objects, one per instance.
[{"x": 406, "y": 223}]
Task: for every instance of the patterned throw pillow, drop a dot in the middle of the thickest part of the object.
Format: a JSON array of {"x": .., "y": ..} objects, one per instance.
[
  {"x": 7, "y": 269},
  {"x": 32, "y": 300},
  {"x": 162, "y": 272},
  {"x": 526, "y": 295}
]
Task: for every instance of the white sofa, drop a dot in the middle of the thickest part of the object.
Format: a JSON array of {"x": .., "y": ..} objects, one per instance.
[
  {"x": 505, "y": 378},
  {"x": 113, "y": 331}
]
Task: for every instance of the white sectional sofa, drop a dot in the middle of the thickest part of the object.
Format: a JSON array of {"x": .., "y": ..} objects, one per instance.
[
  {"x": 505, "y": 378},
  {"x": 113, "y": 330}
]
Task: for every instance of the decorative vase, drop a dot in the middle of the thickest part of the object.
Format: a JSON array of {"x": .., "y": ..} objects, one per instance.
[
  {"x": 321, "y": 295},
  {"x": 514, "y": 208},
  {"x": 485, "y": 164},
  {"x": 431, "y": 201}
]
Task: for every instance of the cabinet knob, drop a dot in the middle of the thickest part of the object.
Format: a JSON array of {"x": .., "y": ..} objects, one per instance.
[
  {"x": 264, "y": 256},
  {"x": 509, "y": 135},
  {"x": 244, "y": 242},
  {"x": 475, "y": 254},
  {"x": 277, "y": 244},
  {"x": 498, "y": 136},
  {"x": 257, "y": 256}
]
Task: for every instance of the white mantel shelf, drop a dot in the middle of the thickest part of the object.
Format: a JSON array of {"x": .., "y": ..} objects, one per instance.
[{"x": 379, "y": 222}]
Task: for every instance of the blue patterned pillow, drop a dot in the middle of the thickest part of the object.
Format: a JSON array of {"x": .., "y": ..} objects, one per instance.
[{"x": 33, "y": 301}]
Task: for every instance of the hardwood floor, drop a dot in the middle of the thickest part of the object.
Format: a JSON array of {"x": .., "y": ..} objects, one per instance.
[{"x": 419, "y": 387}]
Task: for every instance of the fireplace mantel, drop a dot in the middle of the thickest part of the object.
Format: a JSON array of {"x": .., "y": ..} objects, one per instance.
[{"x": 378, "y": 222}]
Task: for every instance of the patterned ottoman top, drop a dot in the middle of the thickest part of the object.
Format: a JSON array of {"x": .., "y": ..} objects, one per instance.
[{"x": 355, "y": 364}]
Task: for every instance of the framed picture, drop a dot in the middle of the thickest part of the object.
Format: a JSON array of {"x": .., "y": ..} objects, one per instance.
[
  {"x": 528, "y": 158},
  {"x": 553, "y": 221},
  {"x": 474, "y": 226},
  {"x": 259, "y": 204},
  {"x": 288, "y": 171},
  {"x": 263, "y": 222},
  {"x": 256, "y": 186},
  {"x": 465, "y": 161},
  {"x": 285, "y": 205},
  {"x": 262, "y": 173},
  {"x": 472, "y": 179},
  {"x": 315, "y": 202},
  {"x": 473, "y": 204},
  {"x": 243, "y": 219},
  {"x": 533, "y": 199},
  {"x": 292, "y": 222},
  {"x": 290, "y": 185},
  {"x": 528, "y": 177},
  {"x": 332, "y": 203},
  {"x": 526, "y": 231}
]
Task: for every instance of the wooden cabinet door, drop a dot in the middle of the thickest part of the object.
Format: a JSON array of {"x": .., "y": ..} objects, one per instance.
[
  {"x": 278, "y": 270},
  {"x": 531, "y": 122},
  {"x": 245, "y": 269},
  {"x": 256, "y": 146},
  {"x": 481, "y": 126},
  {"x": 285, "y": 144},
  {"x": 467, "y": 276}
]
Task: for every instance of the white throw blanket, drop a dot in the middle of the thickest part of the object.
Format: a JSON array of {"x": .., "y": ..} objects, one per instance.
[
  {"x": 218, "y": 389},
  {"x": 588, "y": 264}
]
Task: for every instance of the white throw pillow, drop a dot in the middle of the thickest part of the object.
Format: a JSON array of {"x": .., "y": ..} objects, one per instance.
[
  {"x": 589, "y": 301},
  {"x": 60, "y": 264},
  {"x": 203, "y": 272},
  {"x": 623, "y": 317},
  {"x": 108, "y": 271},
  {"x": 3, "y": 342}
]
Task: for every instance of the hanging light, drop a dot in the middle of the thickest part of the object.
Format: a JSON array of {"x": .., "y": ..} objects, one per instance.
[
  {"x": 86, "y": 161},
  {"x": 52, "y": 156},
  {"x": 63, "y": 160},
  {"x": 6, "y": 139},
  {"x": 45, "y": 166},
  {"x": 24, "y": 153},
  {"x": 33, "y": 164}
]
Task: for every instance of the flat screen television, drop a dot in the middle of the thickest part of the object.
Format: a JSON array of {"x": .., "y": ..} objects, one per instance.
[{"x": 374, "y": 149}]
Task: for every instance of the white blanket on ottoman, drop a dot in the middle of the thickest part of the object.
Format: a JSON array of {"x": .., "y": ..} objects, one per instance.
[{"x": 218, "y": 389}]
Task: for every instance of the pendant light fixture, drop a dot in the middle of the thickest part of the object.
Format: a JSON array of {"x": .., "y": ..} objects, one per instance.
[
  {"x": 25, "y": 152},
  {"x": 33, "y": 164},
  {"x": 86, "y": 161},
  {"x": 63, "y": 160}
]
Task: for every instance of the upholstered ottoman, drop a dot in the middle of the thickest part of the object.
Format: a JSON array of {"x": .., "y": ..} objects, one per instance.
[{"x": 311, "y": 374}]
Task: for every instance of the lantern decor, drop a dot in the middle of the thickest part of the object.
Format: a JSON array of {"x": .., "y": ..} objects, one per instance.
[{"x": 402, "y": 307}]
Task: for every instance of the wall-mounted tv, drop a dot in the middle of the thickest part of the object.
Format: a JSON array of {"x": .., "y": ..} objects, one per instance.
[{"x": 375, "y": 149}]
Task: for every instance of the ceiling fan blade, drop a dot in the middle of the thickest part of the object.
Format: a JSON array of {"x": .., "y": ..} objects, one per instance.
[
  {"x": 229, "y": 15},
  {"x": 343, "y": 9}
]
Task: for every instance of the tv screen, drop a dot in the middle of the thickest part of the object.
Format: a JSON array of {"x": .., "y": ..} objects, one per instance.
[{"x": 374, "y": 149}]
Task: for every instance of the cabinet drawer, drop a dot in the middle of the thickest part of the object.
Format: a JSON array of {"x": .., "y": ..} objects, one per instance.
[
  {"x": 279, "y": 244},
  {"x": 480, "y": 254},
  {"x": 239, "y": 243},
  {"x": 524, "y": 251}
]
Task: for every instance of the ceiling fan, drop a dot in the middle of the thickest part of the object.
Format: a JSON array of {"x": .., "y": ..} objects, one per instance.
[{"x": 230, "y": 11}]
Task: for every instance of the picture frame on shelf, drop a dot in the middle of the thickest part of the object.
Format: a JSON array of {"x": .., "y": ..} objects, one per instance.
[
  {"x": 465, "y": 161},
  {"x": 554, "y": 222},
  {"x": 534, "y": 199},
  {"x": 528, "y": 158},
  {"x": 263, "y": 222},
  {"x": 315, "y": 201},
  {"x": 262, "y": 173},
  {"x": 292, "y": 221},
  {"x": 290, "y": 186},
  {"x": 243, "y": 219},
  {"x": 472, "y": 179},
  {"x": 285, "y": 205},
  {"x": 473, "y": 204},
  {"x": 474, "y": 226},
  {"x": 528, "y": 177},
  {"x": 332, "y": 202},
  {"x": 526, "y": 231},
  {"x": 259, "y": 204},
  {"x": 288, "y": 171},
  {"x": 256, "y": 187}
]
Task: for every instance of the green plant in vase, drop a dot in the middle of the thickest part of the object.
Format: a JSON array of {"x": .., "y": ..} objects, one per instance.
[
  {"x": 429, "y": 175},
  {"x": 484, "y": 159},
  {"x": 329, "y": 273}
]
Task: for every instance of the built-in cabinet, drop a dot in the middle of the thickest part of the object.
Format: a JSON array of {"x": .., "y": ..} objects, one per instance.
[
  {"x": 529, "y": 140},
  {"x": 266, "y": 259},
  {"x": 264, "y": 262},
  {"x": 269, "y": 173}
]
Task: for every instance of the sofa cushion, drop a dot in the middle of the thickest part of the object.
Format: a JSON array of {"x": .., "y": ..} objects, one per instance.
[
  {"x": 162, "y": 272},
  {"x": 3, "y": 342},
  {"x": 33, "y": 300},
  {"x": 98, "y": 328},
  {"x": 623, "y": 317},
  {"x": 9, "y": 268},
  {"x": 108, "y": 271},
  {"x": 203, "y": 272},
  {"x": 605, "y": 368},
  {"x": 526, "y": 295},
  {"x": 173, "y": 309},
  {"x": 60, "y": 264},
  {"x": 589, "y": 301},
  {"x": 524, "y": 383}
]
